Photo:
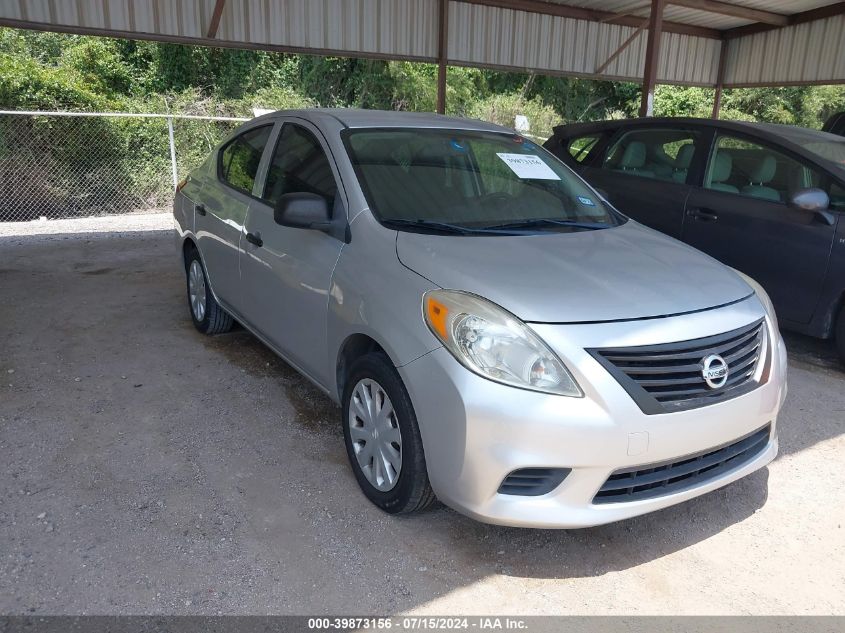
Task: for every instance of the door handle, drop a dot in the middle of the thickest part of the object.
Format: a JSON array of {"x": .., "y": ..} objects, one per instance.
[
  {"x": 703, "y": 215},
  {"x": 200, "y": 209},
  {"x": 255, "y": 238}
]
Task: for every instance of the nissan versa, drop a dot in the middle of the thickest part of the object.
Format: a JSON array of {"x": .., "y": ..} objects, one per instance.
[{"x": 496, "y": 334}]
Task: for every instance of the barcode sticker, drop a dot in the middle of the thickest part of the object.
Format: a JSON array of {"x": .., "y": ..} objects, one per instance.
[{"x": 528, "y": 166}]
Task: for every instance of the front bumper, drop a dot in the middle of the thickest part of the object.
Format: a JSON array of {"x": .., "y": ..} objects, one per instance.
[{"x": 476, "y": 432}]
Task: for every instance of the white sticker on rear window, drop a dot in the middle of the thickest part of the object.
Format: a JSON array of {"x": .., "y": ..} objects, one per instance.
[{"x": 528, "y": 166}]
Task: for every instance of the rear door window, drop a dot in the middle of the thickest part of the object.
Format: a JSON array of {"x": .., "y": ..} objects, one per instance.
[
  {"x": 239, "y": 159},
  {"x": 659, "y": 154}
]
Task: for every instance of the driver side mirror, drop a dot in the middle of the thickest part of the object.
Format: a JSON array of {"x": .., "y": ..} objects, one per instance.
[
  {"x": 303, "y": 211},
  {"x": 814, "y": 201}
]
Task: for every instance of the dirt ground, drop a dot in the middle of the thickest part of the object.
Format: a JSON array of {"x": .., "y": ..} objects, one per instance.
[{"x": 149, "y": 469}]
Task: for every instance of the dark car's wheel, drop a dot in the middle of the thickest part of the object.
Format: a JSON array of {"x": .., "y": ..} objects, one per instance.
[
  {"x": 382, "y": 437},
  {"x": 840, "y": 335},
  {"x": 208, "y": 316}
]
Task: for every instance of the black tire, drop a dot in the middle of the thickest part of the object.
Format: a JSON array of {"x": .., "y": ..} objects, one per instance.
[
  {"x": 412, "y": 491},
  {"x": 215, "y": 320},
  {"x": 840, "y": 335}
]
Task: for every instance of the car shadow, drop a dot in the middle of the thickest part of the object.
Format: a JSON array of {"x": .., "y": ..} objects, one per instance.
[
  {"x": 813, "y": 351},
  {"x": 519, "y": 552},
  {"x": 595, "y": 551}
]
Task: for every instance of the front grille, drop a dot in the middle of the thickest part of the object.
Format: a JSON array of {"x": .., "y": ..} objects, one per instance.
[
  {"x": 656, "y": 480},
  {"x": 533, "y": 482},
  {"x": 669, "y": 377}
]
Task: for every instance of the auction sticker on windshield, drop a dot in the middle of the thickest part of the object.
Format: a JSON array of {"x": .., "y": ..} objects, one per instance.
[{"x": 528, "y": 166}]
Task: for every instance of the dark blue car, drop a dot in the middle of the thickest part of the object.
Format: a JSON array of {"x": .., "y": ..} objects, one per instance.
[{"x": 767, "y": 199}]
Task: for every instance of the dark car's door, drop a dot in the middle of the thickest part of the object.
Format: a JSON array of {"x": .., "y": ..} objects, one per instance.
[
  {"x": 645, "y": 173},
  {"x": 741, "y": 216}
]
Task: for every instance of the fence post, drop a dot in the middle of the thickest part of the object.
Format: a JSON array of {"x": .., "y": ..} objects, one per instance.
[{"x": 172, "y": 152}]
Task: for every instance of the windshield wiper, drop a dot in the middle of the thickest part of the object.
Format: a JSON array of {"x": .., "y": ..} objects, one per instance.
[
  {"x": 535, "y": 222},
  {"x": 443, "y": 227}
]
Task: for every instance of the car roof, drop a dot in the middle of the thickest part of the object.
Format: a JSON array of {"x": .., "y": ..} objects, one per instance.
[
  {"x": 792, "y": 133},
  {"x": 790, "y": 137},
  {"x": 359, "y": 118}
]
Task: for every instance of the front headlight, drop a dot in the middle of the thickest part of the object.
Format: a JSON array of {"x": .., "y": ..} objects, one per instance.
[
  {"x": 495, "y": 344},
  {"x": 763, "y": 296}
]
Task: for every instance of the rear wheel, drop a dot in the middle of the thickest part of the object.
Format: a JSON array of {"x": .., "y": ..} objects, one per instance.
[
  {"x": 382, "y": 437},
  {"x": 840, "y": 335},
  {"x": 206, "y": 313}
]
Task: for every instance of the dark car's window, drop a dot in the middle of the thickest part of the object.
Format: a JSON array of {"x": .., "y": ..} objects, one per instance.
[
  {"x": 659, "y": 154},
  {"x": 749, "y": 169},
  {"x": 835, "y": 124},
  {"x": 470, "y": 180},
  {"x": 580, "y": 147},
  {"x": 834, "y": 151},
  {"x": 299, "y": 165},
  {"x": 239, "y": 159}
]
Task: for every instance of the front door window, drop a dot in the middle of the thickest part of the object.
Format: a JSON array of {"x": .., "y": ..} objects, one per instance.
[
  {"x": 299, "y": 165},
  {"x": 756, "y": 171}
]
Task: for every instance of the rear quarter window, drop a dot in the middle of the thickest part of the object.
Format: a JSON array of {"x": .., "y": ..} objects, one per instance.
[
  {"x": 581, "y": 146},
  {"x": 239, "y": 159}
]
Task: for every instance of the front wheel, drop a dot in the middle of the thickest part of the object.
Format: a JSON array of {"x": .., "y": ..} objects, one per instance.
[
  {"x": 382, "y": 437},
  {"x": 206, "y": 313}
]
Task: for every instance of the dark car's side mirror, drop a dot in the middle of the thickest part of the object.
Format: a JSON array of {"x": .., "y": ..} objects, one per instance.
[
  {"x": 813, "y": 201},
  {"x": 303, "y": 211}
]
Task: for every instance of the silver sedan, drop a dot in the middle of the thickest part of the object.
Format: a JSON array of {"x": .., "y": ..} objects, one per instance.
[{"x": 497, "y": 335}]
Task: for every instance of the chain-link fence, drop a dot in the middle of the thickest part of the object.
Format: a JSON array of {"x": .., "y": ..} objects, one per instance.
[{"x": 65, "y": 165}]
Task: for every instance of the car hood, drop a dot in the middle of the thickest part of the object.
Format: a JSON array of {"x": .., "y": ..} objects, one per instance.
[{"x": 627, "y": 272}]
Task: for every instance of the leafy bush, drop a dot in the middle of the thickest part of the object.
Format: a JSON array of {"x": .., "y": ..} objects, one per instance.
[{"x": 27, "y": 84}]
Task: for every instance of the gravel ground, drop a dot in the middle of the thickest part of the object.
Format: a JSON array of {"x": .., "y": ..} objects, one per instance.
[{"x": 149, "y": 469}]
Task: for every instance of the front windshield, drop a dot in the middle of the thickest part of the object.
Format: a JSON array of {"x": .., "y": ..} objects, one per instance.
[{"x": 469, "y": 181}]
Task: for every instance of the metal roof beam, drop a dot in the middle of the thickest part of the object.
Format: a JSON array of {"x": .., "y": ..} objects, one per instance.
[
  {"x": 442, "y": 53},
  {"x": 720, "y": 79},
  {"x": 734, "y": 10},
  {"x": 829, "y": 11},
  {"x": 621, "y": 48},
  {"x": 652, "y": 55},
  {"x": 593, "y": 15},
  {"x": 214, "y": 24}
]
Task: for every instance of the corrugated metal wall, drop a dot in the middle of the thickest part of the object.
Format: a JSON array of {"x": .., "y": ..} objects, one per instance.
[
  {"x": 810, "y": 52},
  {"x": 478, "y": 35},
  {"x": 406, "y": 28},
  {"x": 490, "y": 36},
  {"x": 183, "y": 18},
  {"x": 393, "y": 28}
]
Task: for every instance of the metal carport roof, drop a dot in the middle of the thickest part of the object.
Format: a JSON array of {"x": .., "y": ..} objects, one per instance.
[{"x": 689, "y": 42}]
